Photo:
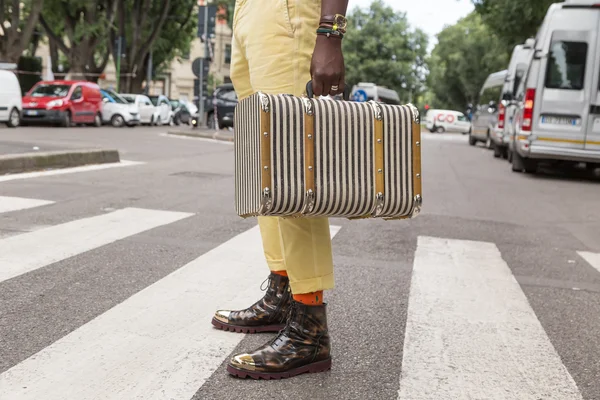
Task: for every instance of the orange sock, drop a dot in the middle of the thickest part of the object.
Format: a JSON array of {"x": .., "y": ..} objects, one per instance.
[
  {"x": 310, "y": 299},
  {"x": 283, "y": 272}
]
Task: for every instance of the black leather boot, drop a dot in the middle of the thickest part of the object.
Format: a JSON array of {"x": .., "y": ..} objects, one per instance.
[
  {"x": 269, "y": 314},
  {"x": 302, "y": 346}
]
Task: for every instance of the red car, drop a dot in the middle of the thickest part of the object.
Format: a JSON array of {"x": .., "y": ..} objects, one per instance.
[{"x": 63, "y": 103}]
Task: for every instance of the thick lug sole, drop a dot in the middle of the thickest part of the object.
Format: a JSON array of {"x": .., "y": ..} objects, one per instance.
[
  {"x": 320, "y": 366},
  {"x": 246, "y": 329}
]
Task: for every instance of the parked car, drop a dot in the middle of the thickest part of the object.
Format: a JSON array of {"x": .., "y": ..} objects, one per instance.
[
  {"x": 517, "y": 68},
  {"x": 64, "y": 103},
  {"x": 224, "y": 101},
  {"x": 558, "y": 117},
  {"x": 183, "y": 111},
  {"x": 149, "y": 113},
  {"x": 165, "y": 112},
  {"x": 10, "y": 99},
  {"x": 374, "y": 92},
  {"x": 486, "y": 113},
  {"x": 117, "y": 111},
  {"x": 441, "y": 121}
]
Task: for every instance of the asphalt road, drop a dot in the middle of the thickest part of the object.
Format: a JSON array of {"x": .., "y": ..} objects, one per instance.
[{"x": 107, "y": 287}]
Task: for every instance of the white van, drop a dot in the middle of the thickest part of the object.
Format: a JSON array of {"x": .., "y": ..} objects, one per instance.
[
  {"x": 517, "y": 68},
  {"x": 370, "y": 91},
  {"x": 10, "y": 99},
  {"x": 559, "y": 102},
  {"x": 485, "y": 117},
  {"x": 441, "y": 121}
]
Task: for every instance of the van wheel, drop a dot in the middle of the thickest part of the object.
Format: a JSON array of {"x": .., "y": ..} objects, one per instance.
[
  {"x": 117, "y": 121},
  {"x": 98, "y": 120},
  {"x": 440, "y": 129},
  {"x": 497, "y": 152},
  {"x": 520, "y": 164},
  {"x": 14, "y": 119},
  {"x": 472, "y": 140},
  {"x": 509, "y": 155},
  {"x": 67, "y": 120}
]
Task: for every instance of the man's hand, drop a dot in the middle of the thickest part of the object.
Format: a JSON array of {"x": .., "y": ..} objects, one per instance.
[{"x": 327, "y": 67}]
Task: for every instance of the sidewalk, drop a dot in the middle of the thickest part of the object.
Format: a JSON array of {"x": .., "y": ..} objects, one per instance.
[
  {"x": 224, "y": 135},
  {"x": 18, "y": 162}
]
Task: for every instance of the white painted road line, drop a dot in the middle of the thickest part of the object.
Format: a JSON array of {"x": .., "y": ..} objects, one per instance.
[
  {"x": 592, "y": 258},
  {"x": 62, "y": 171},
  {"x": 8, "y": 204},
  {"x": 29, "y": 251},
  {"x": 471, "y": 333},
  {"x": 158, "y": 344},
  {"x": 202, "y": 139}
]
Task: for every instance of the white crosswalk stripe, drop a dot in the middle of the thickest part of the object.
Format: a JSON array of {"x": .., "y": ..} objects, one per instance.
[
  {"x": 29, "y": 251},
  {"x": 155, "y": 345},
  {"x": 592, "y": 258},
  {"x": 9, "y": 204},
  {"x": 471, "y": 333}
]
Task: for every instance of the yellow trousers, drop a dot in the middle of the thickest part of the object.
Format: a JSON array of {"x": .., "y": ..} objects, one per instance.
[{"x": 273, "y": 42}]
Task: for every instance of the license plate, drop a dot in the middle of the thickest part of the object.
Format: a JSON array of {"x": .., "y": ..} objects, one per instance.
[
  {"x": 31, "y": 112},
  {"x": 561, "y": 121}
]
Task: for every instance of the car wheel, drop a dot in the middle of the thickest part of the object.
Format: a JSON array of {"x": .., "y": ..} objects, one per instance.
[
  {"x": 509, "y": 155},
  {"x": 67, "y": 120},
  {"x": 440, "y": 129},
  {"x": 505, "y": 153},
  {"x": 98, "y": 120},
  {"x": 117, "y": 121},
  {"x": 177, "y": 121},
  {"x": 158, "y": 123},
  {"x": 14, "y": 119},
  {"x": 472, "y": 140}
]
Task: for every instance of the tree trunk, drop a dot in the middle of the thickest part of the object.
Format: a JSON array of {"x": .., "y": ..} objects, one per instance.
[{"x": 14, "y": 42}]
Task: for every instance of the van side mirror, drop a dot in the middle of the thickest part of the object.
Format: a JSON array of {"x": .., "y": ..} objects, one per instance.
[{"x": 539, "y": 54}]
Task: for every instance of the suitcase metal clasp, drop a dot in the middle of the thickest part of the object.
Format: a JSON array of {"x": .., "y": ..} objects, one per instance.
[
  {"x": 265, "y": 201},
  {"x": 309, "y": 202}
]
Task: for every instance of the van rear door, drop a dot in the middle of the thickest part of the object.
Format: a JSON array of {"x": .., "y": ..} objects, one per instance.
[
  {"x": 592, "y": 138},
  {"x": 562, "y": 108}
]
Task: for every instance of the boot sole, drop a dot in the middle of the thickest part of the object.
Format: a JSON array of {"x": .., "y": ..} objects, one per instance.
[
  {"x": 246, "y": 329},
  {"x": 320, "y": 366}
]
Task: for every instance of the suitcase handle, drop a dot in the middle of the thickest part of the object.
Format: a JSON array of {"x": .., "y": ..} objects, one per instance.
[{"x": 310, "y": 92}]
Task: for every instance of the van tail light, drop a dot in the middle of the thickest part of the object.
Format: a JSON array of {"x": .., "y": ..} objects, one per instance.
[
  {"x": 501, "y": 116},
  {"x": 528, "y": 110}
]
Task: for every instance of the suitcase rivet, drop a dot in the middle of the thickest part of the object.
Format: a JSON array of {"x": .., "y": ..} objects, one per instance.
[
  {"x": 418, "y": 144},
  {"x": 310, "y": 168},
  {"x": 310, "y": 136},
  {"x": 266, "y": 134},
  {"x": 380, "y": 170},
  {"x": 378, "y": 140},
  {"x": 418, "y": 175},
  {"x": 266, "y": 167}
]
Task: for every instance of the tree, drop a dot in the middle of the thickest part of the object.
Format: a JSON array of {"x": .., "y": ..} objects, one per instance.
[
  {"x": 18, "y": 20},
  {"x": 86, "y": 27},
  {"x": 514, "y": 21},
  {"x": 141, "y": 23},
  {"x": 465, "y": 55},
  {"x": 380, "y": 47}
]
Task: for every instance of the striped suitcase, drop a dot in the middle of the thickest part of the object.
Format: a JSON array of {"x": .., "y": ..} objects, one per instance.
[{"x": 300, "y": 156}]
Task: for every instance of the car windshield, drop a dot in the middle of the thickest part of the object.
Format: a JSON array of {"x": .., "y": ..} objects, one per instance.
[
  {"x": 116, "y": 96},
  {"x": 129, "y": 99},
  {"x": 45, "y": 90},
  {"x": 154, "y": 99}
]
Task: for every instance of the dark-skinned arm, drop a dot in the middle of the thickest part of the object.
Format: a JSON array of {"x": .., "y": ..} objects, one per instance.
[{"x": 327, "y": 67}]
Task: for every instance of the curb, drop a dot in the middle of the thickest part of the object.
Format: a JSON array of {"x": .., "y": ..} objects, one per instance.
[
  {"x": 204, "y": 134},
  {"x": 27, "y": 162}
]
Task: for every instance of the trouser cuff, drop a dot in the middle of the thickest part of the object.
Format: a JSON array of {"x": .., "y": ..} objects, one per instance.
[{"x": 312, "y": 284}]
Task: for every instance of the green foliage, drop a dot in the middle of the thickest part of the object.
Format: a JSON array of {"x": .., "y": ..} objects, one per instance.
[
  {"x": 465, "y": 55},
  {"x": 16, "y": 37},
  {"x": 514, "y": 21},
  {"x": 381, "y": 48}
]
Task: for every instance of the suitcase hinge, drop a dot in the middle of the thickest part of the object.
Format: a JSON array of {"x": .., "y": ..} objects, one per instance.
[
  {"x": 308, "y": 106},
  {"x": 417, "y": 206},
  {"x": 265, "y": 201}
]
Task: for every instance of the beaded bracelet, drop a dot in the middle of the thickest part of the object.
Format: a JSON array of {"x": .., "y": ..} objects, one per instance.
[{"x": 329, "y": 32}]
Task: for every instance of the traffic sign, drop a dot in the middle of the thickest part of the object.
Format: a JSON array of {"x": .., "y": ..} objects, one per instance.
[
  {"x": 360, "y": 96},
  {"x": 197, "y": 64}
]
